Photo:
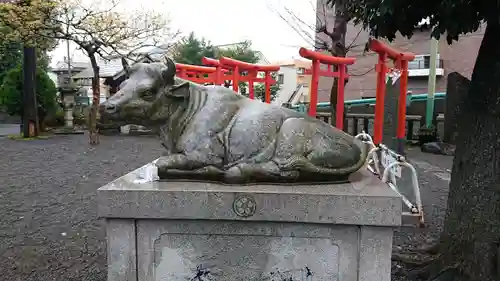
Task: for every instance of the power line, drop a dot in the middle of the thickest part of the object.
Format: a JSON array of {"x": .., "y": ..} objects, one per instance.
[{"x": 362, "y": 74}]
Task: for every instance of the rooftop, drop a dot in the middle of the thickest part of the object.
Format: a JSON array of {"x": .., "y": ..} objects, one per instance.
[
  {"x": 262, "y": 58},
  {"x": 107, "y": 68},
  {"x": 63, "y": 66},
  {"x": 113, "y": 66},
  {"x": 294, "y": 62}
]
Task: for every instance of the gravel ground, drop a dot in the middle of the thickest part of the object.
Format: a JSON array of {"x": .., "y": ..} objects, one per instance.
[
  {"x": 433, "y": 174},
  {"x": 49, "y": 229}
]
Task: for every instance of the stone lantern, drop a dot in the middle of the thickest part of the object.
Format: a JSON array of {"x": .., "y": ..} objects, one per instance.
[{"x": 68, "y": 91}]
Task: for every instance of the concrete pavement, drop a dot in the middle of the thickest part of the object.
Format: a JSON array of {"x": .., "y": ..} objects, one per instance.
[{"x": 9, "y": 129}]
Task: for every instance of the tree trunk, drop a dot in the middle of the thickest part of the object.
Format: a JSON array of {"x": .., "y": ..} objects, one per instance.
[
  {"x": 333, "y": 92},
  {"x": 471, "y": 236},
  {"x": 338, "y": 50},
  {"x": 96, "y": 94},
  {"x": 29, "y": 105}
]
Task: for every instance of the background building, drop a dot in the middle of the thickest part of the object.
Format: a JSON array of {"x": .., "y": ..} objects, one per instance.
[
  {"x": 294, "y": 83},
  {"x": 459, "y": 57}
]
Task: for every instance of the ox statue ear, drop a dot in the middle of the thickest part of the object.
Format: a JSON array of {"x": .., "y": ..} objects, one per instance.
[
  {"x": 179, "y": 91},
  {"x": 168, "y": 73},
  {"x": 126, "y": 67}
]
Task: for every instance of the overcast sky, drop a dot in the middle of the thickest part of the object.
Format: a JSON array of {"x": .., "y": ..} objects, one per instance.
[{"x": 230, "y": 21}]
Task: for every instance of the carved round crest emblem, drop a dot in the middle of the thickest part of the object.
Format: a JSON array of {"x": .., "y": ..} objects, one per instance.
[{"x": 244, "y": 206}]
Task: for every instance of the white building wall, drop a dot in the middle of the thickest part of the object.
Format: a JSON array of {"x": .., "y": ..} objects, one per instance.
[
  {"x": 302, "y": 95},
  {"x": 289, "y": 84},
  {"x": 53, "y": 77},
  {"x": 104, "y": 92}
]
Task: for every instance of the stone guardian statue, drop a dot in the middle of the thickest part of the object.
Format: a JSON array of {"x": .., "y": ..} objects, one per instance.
[{"x": 212, "y": 133}]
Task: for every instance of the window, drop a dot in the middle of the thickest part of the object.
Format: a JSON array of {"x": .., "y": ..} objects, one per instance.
[
  {"x": 427, "y": 62},
  {"x": 84, "y": 82},
  {"x": 423, "y": 62},
  {"x": 281, "y": 78},
  {"x": 301, "y": 71}
]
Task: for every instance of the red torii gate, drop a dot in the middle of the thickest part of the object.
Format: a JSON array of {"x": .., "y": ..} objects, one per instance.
[
  {"x": 236, "y": 66},
  {"x": 252, "y": 69},
  {"x": 220, "y": 71},
  {"x": 318, "y": 58},
  {"x": 196, "y": 73},
  {"x": 401, "y": 60}
]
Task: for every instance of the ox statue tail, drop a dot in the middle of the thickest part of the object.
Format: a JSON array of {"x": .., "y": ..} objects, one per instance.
[{"x": 302, "y": 163}]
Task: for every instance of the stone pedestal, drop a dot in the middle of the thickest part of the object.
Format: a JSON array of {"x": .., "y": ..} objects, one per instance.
[
  {"x": 180, "y": 230},
  {"x": 389, "y": 137},
  {"x": 136, "y": 130}
]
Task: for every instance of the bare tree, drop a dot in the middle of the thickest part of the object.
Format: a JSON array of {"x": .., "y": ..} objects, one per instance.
[
  {"x": 335, "y": 42},
  {"x": 338, "y": 47},
  {"x": 99, "y": 28}
]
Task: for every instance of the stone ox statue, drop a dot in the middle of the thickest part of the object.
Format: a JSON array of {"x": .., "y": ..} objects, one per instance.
[{"x": 212, "y": 133}]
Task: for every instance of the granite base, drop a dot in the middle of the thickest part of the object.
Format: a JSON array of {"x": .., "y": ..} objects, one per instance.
[{"x": 205, "y": 231}]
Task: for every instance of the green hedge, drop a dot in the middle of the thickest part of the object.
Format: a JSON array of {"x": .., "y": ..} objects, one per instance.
[{"x": 11, "y": 93}]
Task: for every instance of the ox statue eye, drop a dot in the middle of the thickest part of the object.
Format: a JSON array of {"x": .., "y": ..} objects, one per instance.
[{"x": 147, "y": 95}]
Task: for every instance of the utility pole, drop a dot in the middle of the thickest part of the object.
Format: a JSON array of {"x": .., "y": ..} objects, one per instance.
[
  {"x": 69, "y": 60},
  {"x": 429, "y": 110}
]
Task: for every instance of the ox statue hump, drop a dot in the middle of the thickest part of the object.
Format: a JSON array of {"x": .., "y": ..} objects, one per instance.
[{"x": 212, "y": 133}]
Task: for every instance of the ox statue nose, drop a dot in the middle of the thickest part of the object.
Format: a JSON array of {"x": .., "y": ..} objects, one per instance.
[{"x": 108, "y": 108}]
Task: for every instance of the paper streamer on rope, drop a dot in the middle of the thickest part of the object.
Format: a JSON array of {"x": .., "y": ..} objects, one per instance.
[{"x": 394, "y": 74}]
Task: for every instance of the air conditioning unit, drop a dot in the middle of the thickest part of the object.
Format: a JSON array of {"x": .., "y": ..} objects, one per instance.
[{"x": 301, "y": 71}]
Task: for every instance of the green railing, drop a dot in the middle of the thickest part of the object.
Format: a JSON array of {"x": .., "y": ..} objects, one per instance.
[
  {"x": 354, "y": 123},
  {"x": 371, "y": 101}
]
